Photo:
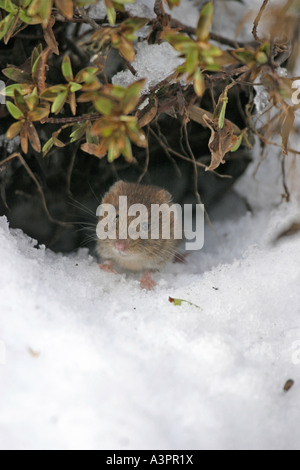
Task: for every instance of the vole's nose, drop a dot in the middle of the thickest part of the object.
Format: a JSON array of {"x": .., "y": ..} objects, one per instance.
[{"x": 121, "y": 245}]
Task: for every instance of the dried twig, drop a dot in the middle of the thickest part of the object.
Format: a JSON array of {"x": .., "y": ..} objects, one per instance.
[
  {"x": 287, "y": 194},
  {"x": 198, "y": 198},
  {"x": 183, "y": 157},
  {"x": 147, "y": 152},
  {"x": 257, "y": 20}
]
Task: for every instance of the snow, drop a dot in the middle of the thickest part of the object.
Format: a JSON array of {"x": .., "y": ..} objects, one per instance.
[
  {"x": 93, "y": 362},
  {"x": 90, "y": 361},
  {"x": 141, "y": 8},
  {"x": 242, "y": 15},
  {"x": 146, "y": 65}
]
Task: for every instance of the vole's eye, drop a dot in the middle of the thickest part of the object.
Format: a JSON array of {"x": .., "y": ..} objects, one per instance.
[
  {"x": 116, "y": 218},
  {"x": 145, "y": 227}
]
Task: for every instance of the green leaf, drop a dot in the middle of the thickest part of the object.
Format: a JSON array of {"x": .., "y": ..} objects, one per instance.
[
  {"x": 14, "y": 129},
  {"x": 84, "y": 74},
  {"x": 17, "y": 75},
  {"x": 66, "y": 68},
  {"x": 32, "y": 99},
  {"x": 104, "y": 105},
  {"x": 47, "y": 146},
  {"x": 238, "y": 143},
  {"x": 136, "y": 134},
  {"x": 113, "y": 151},
  {"x": 79, "y": 131},
  {"x": 205, "y": 22},
  {"x": 6, "y": 24},
  {"x": 8, "y": 6},
  {"x": 38, "y": 114},
  {"x": 222, "y": 113},
  {"x": 199, "y": 83},
  {"x": 117, "y": 91},
  {"x": 136, "y": 23},
  {"x": 28, "y": 19},
  {"x": 132, "y": 96},
  {"x": 191, "y": 61},
  {"x": 35, "y": 54},
  {"x": 51, "y": 93},
  {"x": 35, "y": 71},
  {"x": 42, "y": 9},
  {"x": 179, "y": 302},
  {"x": 261, "y": 57},
  {"x": 75, "y": 87},
  {"x": 14, "y": 111},
  {"x": 127, "y": 151},
  {"x": 111, "y": 15},
  {"x": 23, "y": 88},
  {"x": 20, "y": 102},
  {"x": 59, "y": 102}
]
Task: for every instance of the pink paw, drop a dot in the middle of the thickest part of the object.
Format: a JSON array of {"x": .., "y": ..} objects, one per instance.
[
  {"x": 147, "y": 282},
  {"x": 108, "y": 267}
]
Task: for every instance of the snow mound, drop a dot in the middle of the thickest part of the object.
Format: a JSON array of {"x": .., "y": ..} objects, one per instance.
[{"x": 93, "y": 362}]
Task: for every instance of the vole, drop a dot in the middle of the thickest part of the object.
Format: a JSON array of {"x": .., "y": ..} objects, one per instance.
[{"x": 145, "y": 255}]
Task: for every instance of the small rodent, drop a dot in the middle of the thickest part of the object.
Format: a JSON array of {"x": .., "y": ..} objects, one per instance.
[{"x": 141, "y": 255}]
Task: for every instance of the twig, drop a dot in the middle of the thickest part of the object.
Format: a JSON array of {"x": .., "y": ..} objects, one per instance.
[
  {"x": 67, "y": 120},
  {"x": 198, "y": 198},
  {"x": 213, "y": 36},
  {"x": 158, "y": 7},
  {"x": 257, "y": 20},
  {"x": 287, "y": 194},
  {"x": 84, "y": 15},
  {"x": 146, "y": 160},
  {"x": 269, "y": 142},
  {"x": 179, "y": 155},
  {"x": 194, "y": 162},
  {"x": 70, "y": 169},
  {"x": 130, "y": 67},
  {"x": 156, "y": 87}
]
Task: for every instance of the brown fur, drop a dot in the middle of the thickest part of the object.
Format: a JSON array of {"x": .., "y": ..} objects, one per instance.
[{"x": 141, "y": 255}]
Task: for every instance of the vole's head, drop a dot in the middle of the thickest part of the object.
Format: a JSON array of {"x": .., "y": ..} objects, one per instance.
[{"x": 143, "y": 252}]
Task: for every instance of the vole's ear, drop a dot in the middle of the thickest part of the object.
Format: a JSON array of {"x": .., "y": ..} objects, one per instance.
[
  {"x": 164, "y": 196},
  {"x": 116, "y": 186}
]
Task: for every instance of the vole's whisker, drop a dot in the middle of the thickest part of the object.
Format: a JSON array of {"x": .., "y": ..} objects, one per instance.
[{"x": 83, "y": 208}]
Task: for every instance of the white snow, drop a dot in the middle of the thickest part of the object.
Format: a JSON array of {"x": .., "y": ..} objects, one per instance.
[
  {"x": 154, "y": 62},
  {"x": 93, "y": 362},
  {"x": 141, "y": 8},
  {"x": 90, "y": 361}
]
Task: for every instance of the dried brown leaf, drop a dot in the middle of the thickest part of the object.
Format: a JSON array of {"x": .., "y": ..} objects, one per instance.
[
  {"x": 220, "y": 142},
  {"x": 34, "y": 138},
  {"x": 99, "y": 150},
  {"x": 24, "y": 137},
  {"x": 49, "y": 36},
  {"x": 148, "y": 113}
]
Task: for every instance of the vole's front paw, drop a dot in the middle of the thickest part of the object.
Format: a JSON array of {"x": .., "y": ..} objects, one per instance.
[
  {"x": 147, "y": 282},
  {"x": 108, "y": 267}
]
